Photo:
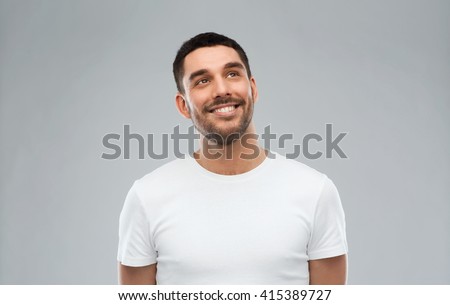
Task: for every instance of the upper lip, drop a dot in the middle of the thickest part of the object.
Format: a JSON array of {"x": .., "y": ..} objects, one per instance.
[{"x": 223, "y": 106}]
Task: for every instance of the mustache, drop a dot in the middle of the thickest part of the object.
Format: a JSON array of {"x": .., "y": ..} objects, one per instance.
[{"x": 224, "y": 100}]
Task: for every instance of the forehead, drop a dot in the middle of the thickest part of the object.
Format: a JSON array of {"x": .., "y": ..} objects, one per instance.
[{"x": 210, "y": 58}]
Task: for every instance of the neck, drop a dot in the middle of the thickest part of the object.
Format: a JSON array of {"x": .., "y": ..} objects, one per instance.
[{"x": 240, "y": 156}]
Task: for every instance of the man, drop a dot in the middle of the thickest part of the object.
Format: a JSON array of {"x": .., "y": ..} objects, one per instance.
[{"x": 229, "y": 214}]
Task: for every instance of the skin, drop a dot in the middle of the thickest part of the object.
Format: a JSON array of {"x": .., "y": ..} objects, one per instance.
[
  {"x": 213, "y": 74},
  {"x": 137, "y": 275},
  {"x": 328, "y": 271},
  {"x": 201, "y": 91}
]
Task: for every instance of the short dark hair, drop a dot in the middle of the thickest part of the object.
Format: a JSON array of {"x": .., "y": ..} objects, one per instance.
[{"x": 202, "y": 40}]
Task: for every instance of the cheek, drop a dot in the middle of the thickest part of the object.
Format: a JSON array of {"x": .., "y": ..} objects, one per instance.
[
  {"x": 197, "y": 101},
  {"x": 244, "y": 90}
]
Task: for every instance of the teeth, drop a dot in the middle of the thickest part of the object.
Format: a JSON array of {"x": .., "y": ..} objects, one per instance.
[{"x": 225, "y": 109}]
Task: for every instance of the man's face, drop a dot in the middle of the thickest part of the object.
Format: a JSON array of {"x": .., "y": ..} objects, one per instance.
[{"x": 219, "y": 96}]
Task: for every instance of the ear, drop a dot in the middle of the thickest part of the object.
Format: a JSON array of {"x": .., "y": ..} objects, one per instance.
[
  {"x": 182, "y": 106},
  {"x": 254, "y": 89}
]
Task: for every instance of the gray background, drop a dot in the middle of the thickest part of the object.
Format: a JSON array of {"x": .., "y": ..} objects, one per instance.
[{"x": 73, "y": 71}]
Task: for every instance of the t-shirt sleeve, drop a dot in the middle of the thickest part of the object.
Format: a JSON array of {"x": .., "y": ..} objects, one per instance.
[
  {"x": 328, "y": 237},
  {"x": 135, "y": 245}
]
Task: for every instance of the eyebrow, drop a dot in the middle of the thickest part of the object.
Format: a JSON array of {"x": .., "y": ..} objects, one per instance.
[
  {"x": 197, "y": 73},
  {"x": 233, "y": 64}
]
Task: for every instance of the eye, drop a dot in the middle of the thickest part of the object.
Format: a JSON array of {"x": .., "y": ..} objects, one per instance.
[
  {"x": 201, "y": 81},
  {"x": 232, "y": 74}
]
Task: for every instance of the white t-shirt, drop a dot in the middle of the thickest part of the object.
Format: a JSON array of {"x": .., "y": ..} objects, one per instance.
[{"x": 260, "y": 227}]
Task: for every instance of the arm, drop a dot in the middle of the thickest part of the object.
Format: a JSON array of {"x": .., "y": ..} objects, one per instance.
[
  {"x": 137, "y": 275},
  {"x": 328, "y": 271}
]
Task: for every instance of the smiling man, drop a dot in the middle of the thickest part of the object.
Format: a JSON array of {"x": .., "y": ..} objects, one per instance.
[{"x": 229, "y": 214}]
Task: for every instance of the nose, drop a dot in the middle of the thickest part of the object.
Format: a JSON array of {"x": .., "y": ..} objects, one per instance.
[{"x": 221, "y": 88}]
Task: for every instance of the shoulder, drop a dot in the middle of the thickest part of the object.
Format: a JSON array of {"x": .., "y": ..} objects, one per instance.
[
  {"x": 164, "y": 178},
  {"x": 167, "y": 170},
  {"x": 297, "y": 170},
  {"x": 301, "y": 179}
]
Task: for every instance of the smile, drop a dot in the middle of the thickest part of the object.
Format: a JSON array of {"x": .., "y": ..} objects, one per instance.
[{"x": 225, "y": 110}]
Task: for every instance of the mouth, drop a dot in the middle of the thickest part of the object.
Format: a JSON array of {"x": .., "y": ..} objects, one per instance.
[{"x": 225, "y": 110}]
